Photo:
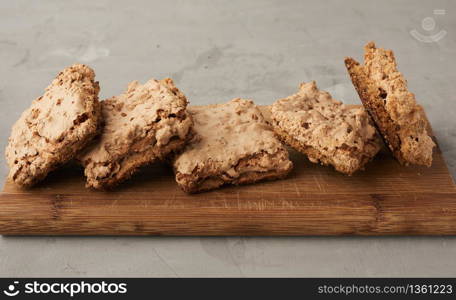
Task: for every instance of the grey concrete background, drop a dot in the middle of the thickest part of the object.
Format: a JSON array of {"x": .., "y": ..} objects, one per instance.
[{"x": 215, "y": 51}]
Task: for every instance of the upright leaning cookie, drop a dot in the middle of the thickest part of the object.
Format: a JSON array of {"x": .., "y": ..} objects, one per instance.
[
  {"x": 383, "y": 91},
  {"x": 55, "y": 127},
  {"x": 143, "y": 124},
  {"x": 232, "y": 145},
  {"x": 325, "y": 130}
]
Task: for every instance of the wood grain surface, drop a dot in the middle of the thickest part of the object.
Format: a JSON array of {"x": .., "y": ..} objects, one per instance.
[{"x": 385, "y": 199}]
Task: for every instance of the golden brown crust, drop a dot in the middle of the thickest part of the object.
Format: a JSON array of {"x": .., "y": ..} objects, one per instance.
[
  {"x": 56, "y": 126},
  {"x": 200, "y": 181},
  {"x": 383, "y": 92},
  {"x": 137, "y": 160},
  {"x": 232, "y": 145},
  {"x": 325, "y": 130},
  {"x": 349, "y": 160},
  {"x": 142, "y": 125}
]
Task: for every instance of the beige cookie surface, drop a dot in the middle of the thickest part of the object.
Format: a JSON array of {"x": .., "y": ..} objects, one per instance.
[
  {"x": 383, "y": 91},
  {"x": 324, "y": 129},
  {"x": 55, "y": 127},
  {"x": 233, "y": 144},
  {"x": 145, "y": 123}
]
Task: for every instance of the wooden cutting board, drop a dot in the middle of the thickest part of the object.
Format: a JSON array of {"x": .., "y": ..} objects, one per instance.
[{"x": 386, "y": 199}]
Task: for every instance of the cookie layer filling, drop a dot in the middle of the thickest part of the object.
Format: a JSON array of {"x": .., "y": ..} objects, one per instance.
[
  {"x": 141, "y": 125},
  {"x": 55, "y": 127}
]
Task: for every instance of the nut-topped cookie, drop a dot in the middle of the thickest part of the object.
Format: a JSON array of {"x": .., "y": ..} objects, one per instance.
[
  {"x": 383, "y": 91},
  {"x": 55, "y": 127},
  {"x": 145, "y": 123},
  {"x": 232, "y": 145},
  {"x": 325, "y": 130}
]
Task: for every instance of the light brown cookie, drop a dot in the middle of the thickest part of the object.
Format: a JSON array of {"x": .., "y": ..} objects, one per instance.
[
  {"x": 145, "y": 123},
  {"x": 325, "y": 130},
  {"x": 232, "y": 145},
  {"x": 383, "y": 91},
  {"x": 55, "y": 127}
]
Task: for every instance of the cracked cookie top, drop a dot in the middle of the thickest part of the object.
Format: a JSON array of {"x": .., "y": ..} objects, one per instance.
[
  {"x": 226, "y": 134},
  {"x": 65, "y": 116},
  {"x": 314, "y": 118},
  {"x": 144, "y": 116}
]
